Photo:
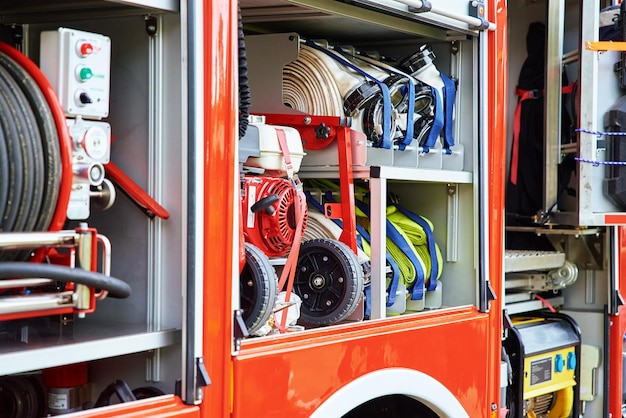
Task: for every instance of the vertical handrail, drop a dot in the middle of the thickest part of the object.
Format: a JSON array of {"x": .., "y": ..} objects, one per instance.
[
  {"x": 587, "y": 102},
  {"x": 553, "y": 82}
]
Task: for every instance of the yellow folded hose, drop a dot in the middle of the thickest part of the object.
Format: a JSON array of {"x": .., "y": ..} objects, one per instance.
[
  {"x": 411, "y": 231},
  {"x": 407, "y": 272},
  {"x": 417, "y": 237}
]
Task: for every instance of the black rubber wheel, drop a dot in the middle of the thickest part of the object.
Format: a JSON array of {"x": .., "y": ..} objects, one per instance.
[
  {"x": 146, "y": 392},
  {"x": 19, "y": 398},
  {"x": 329, "y": 280},
  {"x": 258, "y": 289}
]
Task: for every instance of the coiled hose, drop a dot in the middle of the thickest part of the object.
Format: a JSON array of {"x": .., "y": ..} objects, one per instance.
[
  {"x": 244, "y": 89},
  {"x": 35, "y": 151},
  {"x": 309, "y": 84}
]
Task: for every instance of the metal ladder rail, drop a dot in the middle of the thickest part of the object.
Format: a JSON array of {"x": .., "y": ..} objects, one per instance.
[
  {"x": 552, "y": 101},
  {"x": 587, "y": 102}
]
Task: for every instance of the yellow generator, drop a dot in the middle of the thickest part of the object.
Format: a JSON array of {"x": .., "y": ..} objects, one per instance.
[{"x": 543, "y": 351}]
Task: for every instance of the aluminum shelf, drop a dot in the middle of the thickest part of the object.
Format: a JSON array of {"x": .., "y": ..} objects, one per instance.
[
  {"x": 526, "y": 260},
  {"x": 391, "y": 173},
  {"x": 88, "y": 341},
  {"x": 37, "y": 11}
]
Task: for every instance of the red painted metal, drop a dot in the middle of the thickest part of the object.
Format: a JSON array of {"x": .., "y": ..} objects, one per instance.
[
  {"x": 617, "y": 329},
  {"x": 139, "y": 196},
  {"x": 615, "y": 219},
  {"x": 36, "y": 314},
  {"x": 318, "y": 132},
  {"x": 497, "y": 62},
  {"x": 158, "y": 407},
  {"x": 295, "y": 374},
  {"x": 67, "y": 376},
  {"x": 221, "y": 199}
]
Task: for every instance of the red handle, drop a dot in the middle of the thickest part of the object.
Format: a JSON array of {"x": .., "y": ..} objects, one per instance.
[{"x": 143, "y": 200}]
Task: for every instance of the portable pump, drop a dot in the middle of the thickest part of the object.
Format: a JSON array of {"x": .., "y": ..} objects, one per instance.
[{"x": 268, "y": 211}]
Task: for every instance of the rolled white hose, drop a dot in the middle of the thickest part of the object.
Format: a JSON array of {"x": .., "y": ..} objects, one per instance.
[
  {"x": 317, "y": 84},
  {"x": 309, "y": 84}
]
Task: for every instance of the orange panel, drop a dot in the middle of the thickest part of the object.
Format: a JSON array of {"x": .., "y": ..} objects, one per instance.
[
  {"x": 159, "y": 407},
  {"x": 615, "y": 219},
  {"x": 290, "y": 376},
  {"x": 498, "y": 87},
  {"x": 221, "y": 191}
]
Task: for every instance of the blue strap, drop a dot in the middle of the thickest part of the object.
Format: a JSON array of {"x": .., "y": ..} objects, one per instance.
[
  {"x": 395, "y": 271},
  {"x": 408, "y": 134},
  {"x": 449, "y": 95},
  {"x": 430, "y": 240},
  {"x": 417, "y": 287},
  {"x": 438, "y": 121},
  {"x": 386, "y": 143}
]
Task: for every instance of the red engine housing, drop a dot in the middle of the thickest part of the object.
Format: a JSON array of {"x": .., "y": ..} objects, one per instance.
[{"x": 269, "y": 214}]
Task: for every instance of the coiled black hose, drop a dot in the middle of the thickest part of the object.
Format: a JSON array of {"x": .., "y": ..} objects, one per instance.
[
  {"x": 20, "y": 269},
  {"x": 30, "y": 157},
  {"x": 244, "y": 89}
]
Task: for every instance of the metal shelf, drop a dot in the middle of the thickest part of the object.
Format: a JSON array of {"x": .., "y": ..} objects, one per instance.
[
  {"x": 532, "y": 305},
  {"x": 88, "y": 341},
  {"x": 391, "y": 173},
  {"x": 526, "y": 260},
  {"x": 38, "y": 11}
]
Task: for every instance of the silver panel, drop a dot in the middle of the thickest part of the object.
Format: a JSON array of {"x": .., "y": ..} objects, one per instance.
[
  {"x": 165, "y": 5},
  {"x": 524, "y": 260},
  {"x": 554, "y": 69},
  {"x": 85, "y": 349},
  {"x": 38, "y": 11}
]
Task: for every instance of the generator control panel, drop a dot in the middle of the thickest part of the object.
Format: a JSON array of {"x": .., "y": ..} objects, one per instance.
[{"x": 78, "y": 63}]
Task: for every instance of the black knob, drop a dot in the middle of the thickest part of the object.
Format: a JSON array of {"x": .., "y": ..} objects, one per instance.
[
  {"x": 322, "y": 131},
  {"x": 84, "y": 98}
]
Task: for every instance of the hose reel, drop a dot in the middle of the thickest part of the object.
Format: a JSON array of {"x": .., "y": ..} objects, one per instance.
[{"x": 34, "y": 151}]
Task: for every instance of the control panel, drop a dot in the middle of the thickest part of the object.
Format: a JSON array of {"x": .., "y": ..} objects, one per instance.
[{"x": 78, "y": 66}]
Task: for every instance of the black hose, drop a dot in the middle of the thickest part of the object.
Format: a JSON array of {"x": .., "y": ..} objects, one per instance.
[
  {"x": 19, "y": 269},
  {"x": 4, "y": 175},
  {"x": 30, "y": 160},
  {"x": 244, "y": 89},
  {"x": 16, "y": 162},
  {"x": 49, "y": 140},
  {"x": 32, "y": 152}
]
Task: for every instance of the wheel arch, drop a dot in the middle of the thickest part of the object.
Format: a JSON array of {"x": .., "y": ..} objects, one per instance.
[{"x": 392, "y": 381}]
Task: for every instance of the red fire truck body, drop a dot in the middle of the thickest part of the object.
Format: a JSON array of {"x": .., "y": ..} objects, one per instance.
[{"x": 193, "y": 325}]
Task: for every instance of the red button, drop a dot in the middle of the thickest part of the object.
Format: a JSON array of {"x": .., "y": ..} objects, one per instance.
[{"x": 85, "y": 49}]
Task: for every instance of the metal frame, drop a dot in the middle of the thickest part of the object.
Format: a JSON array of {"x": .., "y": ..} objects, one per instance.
[{"x": 554, "y": 69}]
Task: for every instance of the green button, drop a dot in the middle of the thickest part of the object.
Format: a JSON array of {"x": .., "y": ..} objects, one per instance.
[{"x": 85, "y": 74}]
